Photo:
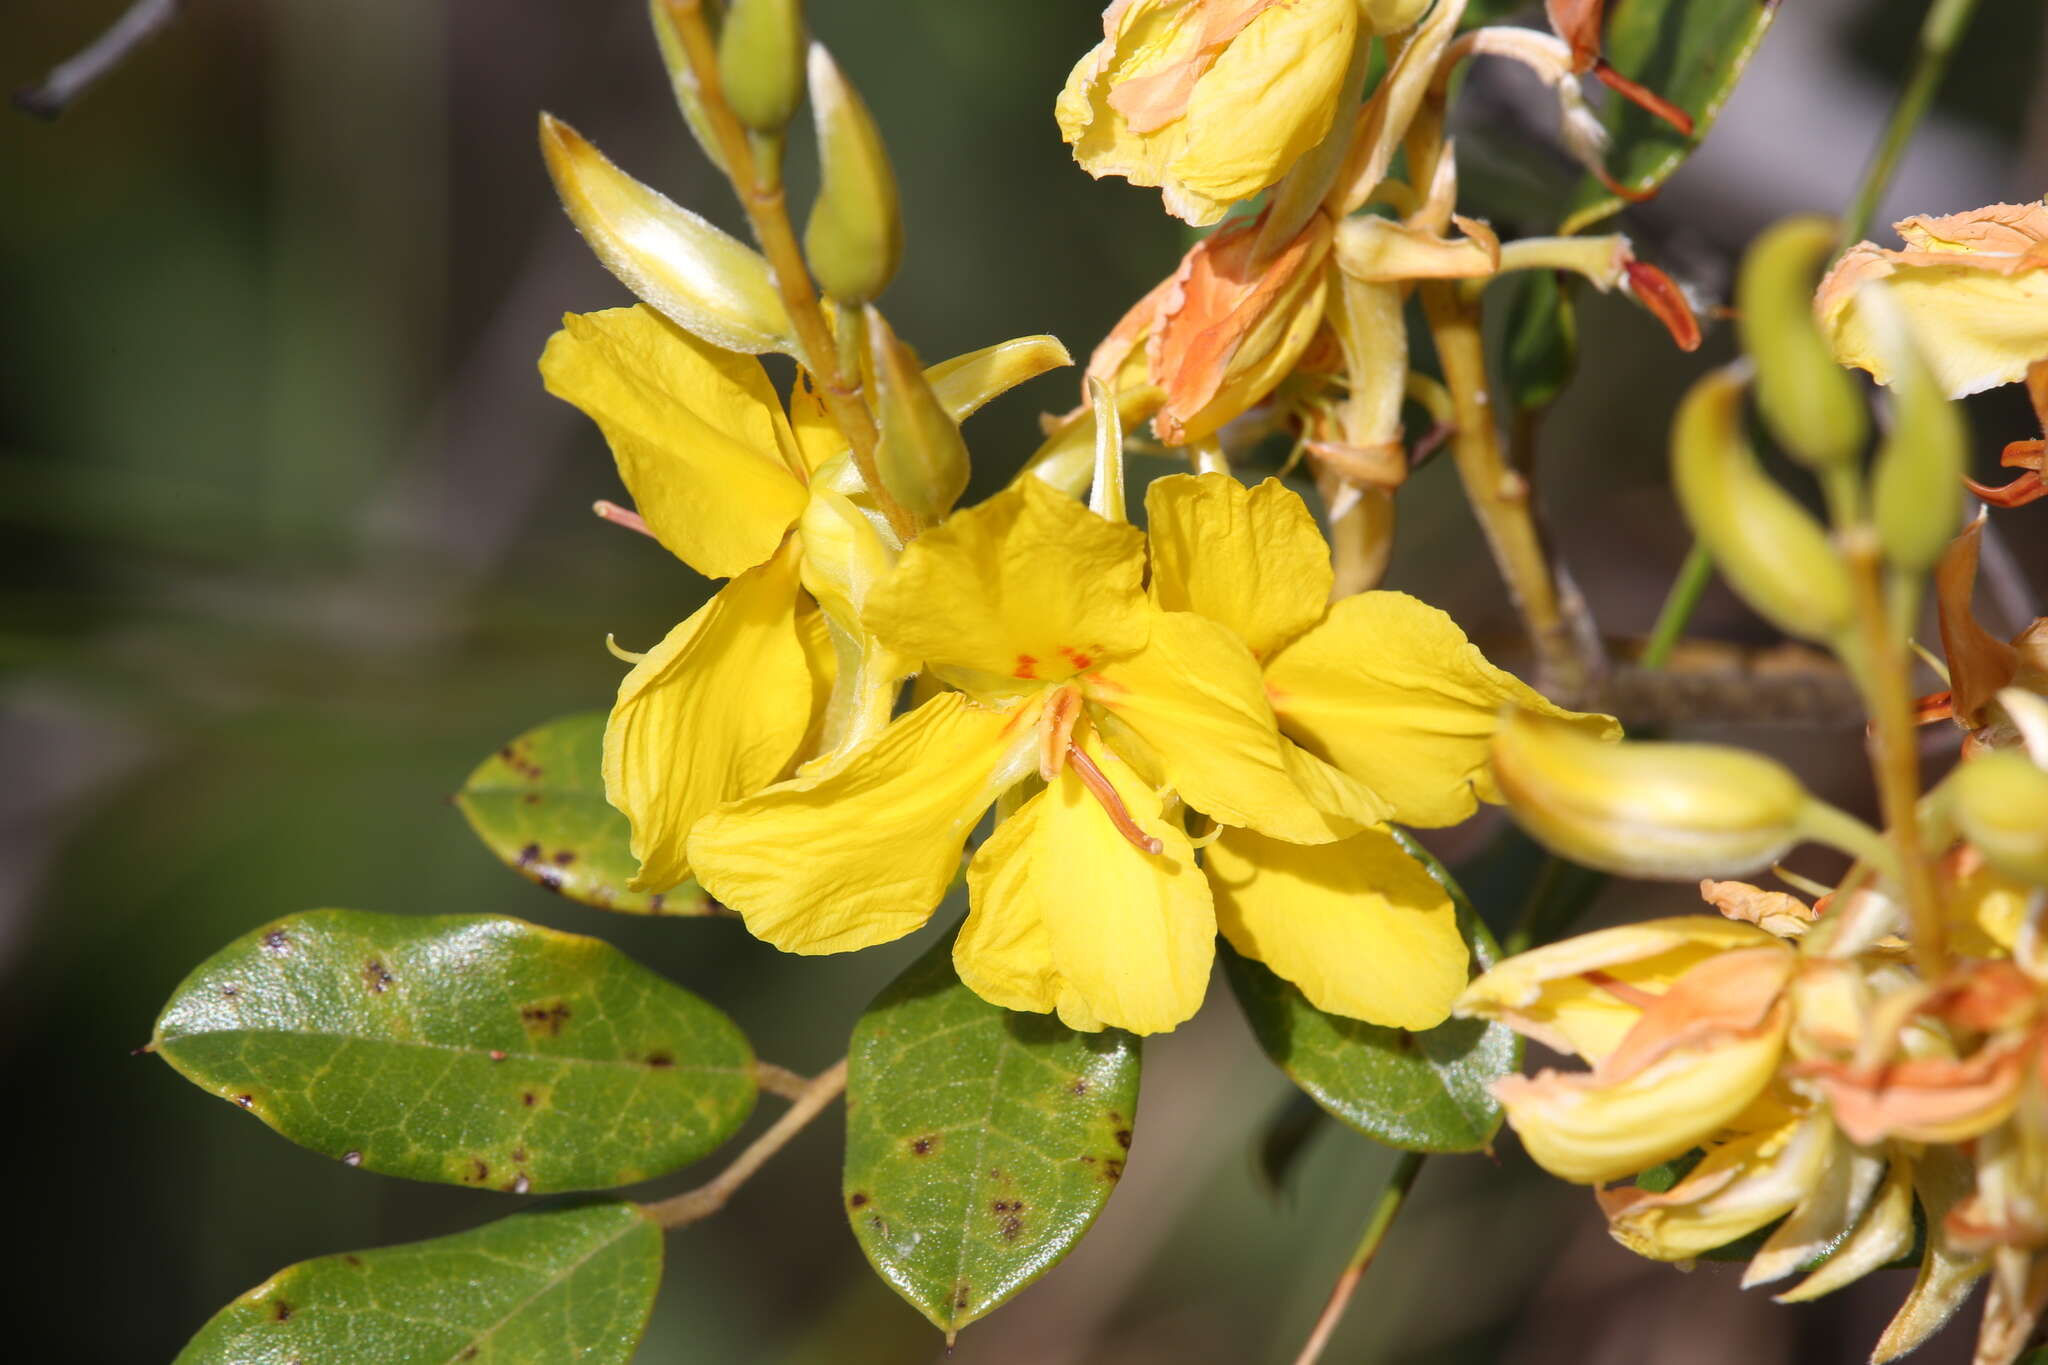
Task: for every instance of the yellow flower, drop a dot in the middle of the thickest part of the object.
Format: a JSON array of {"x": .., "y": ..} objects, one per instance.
[
  {"x": 1377, "y": 691},
  {"x": 1086, "y": 900},
  {"x": 1684, "y": 1021},
  {"x": 1974, "y": 287},
  {"x": 1211, "y": 100},
  {"x": 722, "y": 706}
]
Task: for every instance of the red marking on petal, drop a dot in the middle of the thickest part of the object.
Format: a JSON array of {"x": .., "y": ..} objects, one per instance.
[
  {"x": 1104, "y": 791},
  {"x": 1655, "y": 291},
  {"x": 1081, "y": 660},
  {"x": 1027, "y": 668},
  {"x": 1643, "y": 97}
]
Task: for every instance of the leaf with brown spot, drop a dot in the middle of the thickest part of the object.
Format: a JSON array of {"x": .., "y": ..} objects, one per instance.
[
  {"x": 979, "y": 1142},
  {"x": 538, "y": 804},
  {"x": 534, "y": 1289},
  {"x": 442, "y": 1075}
]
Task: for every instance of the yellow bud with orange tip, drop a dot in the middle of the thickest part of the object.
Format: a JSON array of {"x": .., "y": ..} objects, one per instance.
[
  {"x": 1809, "y": 402},
  {"x": 1661, "y": 810},
  {"x": 1770, "y": 549},
  {"x": 854, "y": 239}
]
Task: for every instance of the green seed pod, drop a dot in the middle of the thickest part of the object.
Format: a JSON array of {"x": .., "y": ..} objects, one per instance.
[
  {"x": 854, "y": 240},
  {"x": 920, "y": 456},
  {"x": 1810, "y": 403},
  {"x": 1671, "y": 811},
  {"x": 683, "y": 81},
  {"x": 761, "y": 62},
  {"x": 1768, "y": 547},
  {"x": 1918, "y": 485},
  {"x": 2000, "y": 802}
]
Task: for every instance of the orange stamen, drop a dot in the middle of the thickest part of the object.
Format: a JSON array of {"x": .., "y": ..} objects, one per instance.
[
  {"x": 621, "y": 516},
  {"x": 1933, "y": 707},
  {"x": 1643, "y": 97},
  {"x": 1655, "y": 291},
  {"x": 1056, "y": 731},
  {"x": 1621, "y": 990},
  {"x": 1104, "y": 791}
]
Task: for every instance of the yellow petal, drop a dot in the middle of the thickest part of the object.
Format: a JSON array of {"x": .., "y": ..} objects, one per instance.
[
  {"x": 714, "y": 711},
  {"x": 1358, "y": 925},
  {"x": 1543, "y": 993},
  {"x": 1190, "y": 712},
  {"x": 697, "y": 432},
  {"x": 1884, "y": 1234},
  {"x": 1270, "y": 97},
  {"x": 1026, "y": 588},
  {"x": 863, "y": 852},
  {"x": 1582, "y": 1130},
  {"x": 1250, "y": 559},
  {"x": 1739, "y": 1186},
  {"x": 1389, "y": 690},
  {"x": 1069, "y": 915}
]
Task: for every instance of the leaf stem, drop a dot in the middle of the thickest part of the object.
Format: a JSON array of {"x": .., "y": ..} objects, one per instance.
[
  {"x": 1939, "y": 32},
  {"x": 767, "y": 209},
  {"x": 1680, "y": 602},
  {"x": 692, "y": 1205},
  {"x": 1390, "y": 1202},
  {"x": 780, "y": 1080}
]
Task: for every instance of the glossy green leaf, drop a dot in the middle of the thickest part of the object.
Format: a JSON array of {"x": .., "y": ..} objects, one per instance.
[
  {"x": 538, "y": 803},
  {"x": 1427, "y": 1092},
  {"x": 534, "y": 1289},
  {"x": 1691, "y": 53},
  {"x": 1540, "y": 351},
  {"x": 980, "y": 1143},
  {"x": 469, "y": 1050}
]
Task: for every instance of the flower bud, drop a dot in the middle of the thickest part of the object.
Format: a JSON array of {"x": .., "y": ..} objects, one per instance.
[
  {"x": 707, "y": 283},
  {"x": 761, "y": 62},
  {"x": 682, "y": 80},
  {"x": 854, "y": 240},
  {"x": 1917, "y": 489},
  {"x": 920, "y": 456},
  {"x": 1675, "y": 811},
  {"x": 1768, "y": 547},
  {"x": 1809, "y": 402},
  {"x": 2000, "y": 802}
]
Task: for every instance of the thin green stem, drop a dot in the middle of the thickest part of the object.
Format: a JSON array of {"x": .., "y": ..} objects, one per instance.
[
  {"x": 1939, "y": 32},
  {"x": 1390, "y": 1203},
  {"x": 1680, "y": 602},
  {"x": 708, "y": 1198}
]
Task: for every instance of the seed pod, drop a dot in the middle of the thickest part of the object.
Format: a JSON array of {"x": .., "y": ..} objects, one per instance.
[
  {"x": 2000, "y": 802},
  {"x": 1918, "y": 485},
  {"x": 1768, "y": 547},
  {"x": 761, "y": 62},
  {"x": 854, "y": 240},
  {"x": 1810, "y": 403},
  {"x": 1672, "y": 811},
  {"x": 920, "y": 456}
]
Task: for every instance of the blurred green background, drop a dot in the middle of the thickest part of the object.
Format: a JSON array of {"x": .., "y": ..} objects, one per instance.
[{"x": 293, "y": 537}]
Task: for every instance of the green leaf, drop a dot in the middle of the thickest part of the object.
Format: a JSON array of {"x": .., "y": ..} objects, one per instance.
[
  {"x": 534, "y": 1289},
  {"x": 538, "y": 803},
  {"x": 1540, "y": 352},
  {"x": 980, "y": 1143},
  {"x": 1689, "y": 51},
  {"x": 464, "y": 1049},
  {"x": 1426, "y": 1092}
]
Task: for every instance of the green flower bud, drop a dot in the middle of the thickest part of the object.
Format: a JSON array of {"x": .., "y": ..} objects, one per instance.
[
  {"x": 1671, "y": 811},
  {"x": 683, "y": 80},
  {"x": 761, "y": 62},
  {"x": 1811, "y": 404},
  {"x": 920, "y": 456},
  {"x": 2000, "y": 802},
  {"x": 1768, "y": 547},
  {"x": 1918, "y": 485},
  {"x": 854, "y": 240}
]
